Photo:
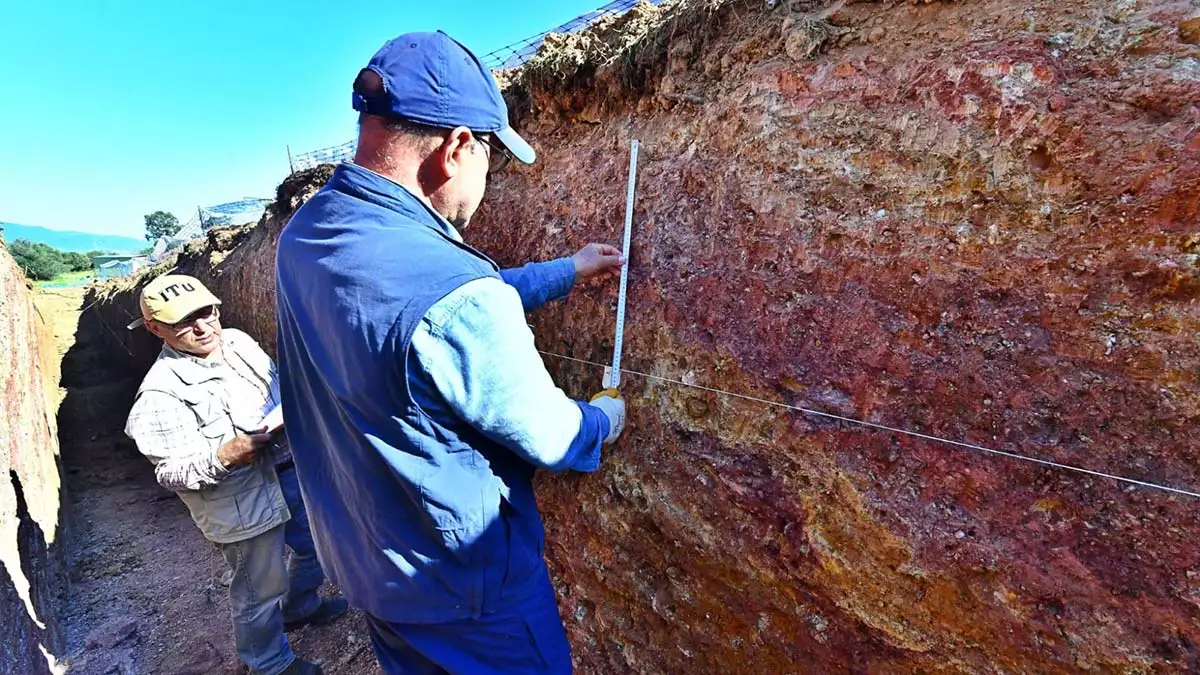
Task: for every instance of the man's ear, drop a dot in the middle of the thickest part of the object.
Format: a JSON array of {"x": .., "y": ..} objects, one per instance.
[
  {"x": 155, "y": 329},
  {"x": 453, "y": 151}
]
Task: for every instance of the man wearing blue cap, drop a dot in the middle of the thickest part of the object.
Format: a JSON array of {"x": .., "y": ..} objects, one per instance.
[{"x": 418, "y": 404}]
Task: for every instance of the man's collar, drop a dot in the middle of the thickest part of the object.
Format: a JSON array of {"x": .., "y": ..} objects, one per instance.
[
  {"x": 192, "y": 369},
  {"x": 447, "y": 228},
  {"x": 389, "y": 193}
]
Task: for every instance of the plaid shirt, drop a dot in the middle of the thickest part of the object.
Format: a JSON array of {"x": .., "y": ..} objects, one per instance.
[{"x": 168, "y": 432}]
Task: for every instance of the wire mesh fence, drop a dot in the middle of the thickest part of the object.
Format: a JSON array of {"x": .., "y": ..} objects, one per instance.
[
  {"x": 513, "y": 55},
  {"x": 247, "y": 210},
  {"x": 508, "y": 56},
  {"x": 332, "y": 155}
]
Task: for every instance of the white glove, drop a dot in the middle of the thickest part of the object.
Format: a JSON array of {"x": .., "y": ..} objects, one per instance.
[{"x": 614, "y": 410}]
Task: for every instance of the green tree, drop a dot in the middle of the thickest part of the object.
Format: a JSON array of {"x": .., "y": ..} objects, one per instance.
[
  {"x": 39, "y": 261},
  {"x": 77, "y": 262},
  {"x": 161, "y": 224}
]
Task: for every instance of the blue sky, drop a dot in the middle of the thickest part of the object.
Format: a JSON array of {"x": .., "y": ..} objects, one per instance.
[{"x": 113, "y": 109}]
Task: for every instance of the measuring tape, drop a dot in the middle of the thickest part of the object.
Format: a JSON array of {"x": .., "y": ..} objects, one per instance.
[{"x": 612, "y": 374}]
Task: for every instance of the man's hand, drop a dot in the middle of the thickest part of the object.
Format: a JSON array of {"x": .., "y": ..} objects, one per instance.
[
  {"x": 242, "y": 450},
  {"x": 612, "y": 405},
  {"x": 597, "y": 260}
]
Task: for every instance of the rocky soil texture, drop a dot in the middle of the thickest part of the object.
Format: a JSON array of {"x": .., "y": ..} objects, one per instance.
[{"x": 974, "y": 220}]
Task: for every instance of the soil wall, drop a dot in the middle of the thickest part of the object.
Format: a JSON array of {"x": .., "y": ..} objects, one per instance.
[
  {"x": 973, "y": 220},
  {"x": 32, "y": 566}
]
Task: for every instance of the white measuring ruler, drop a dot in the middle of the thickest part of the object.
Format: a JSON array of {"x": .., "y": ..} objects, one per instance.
[{"x": 612, "y": 374}]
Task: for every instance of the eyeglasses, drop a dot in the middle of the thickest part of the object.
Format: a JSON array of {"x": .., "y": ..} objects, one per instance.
[
  {"x": 498, "y": 155},
  {"x": 204, "y": 314}
]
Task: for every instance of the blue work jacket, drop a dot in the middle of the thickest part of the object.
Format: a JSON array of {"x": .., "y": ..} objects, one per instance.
[{"x": 418, "y": 517}]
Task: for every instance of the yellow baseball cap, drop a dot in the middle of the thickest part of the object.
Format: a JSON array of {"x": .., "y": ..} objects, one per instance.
[{"x": 171, "y": 297}]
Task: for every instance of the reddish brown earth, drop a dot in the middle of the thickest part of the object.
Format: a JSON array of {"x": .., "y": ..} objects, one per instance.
[
  {"x": 974, "y": 220},
  {"x": 32, "y": 565}
]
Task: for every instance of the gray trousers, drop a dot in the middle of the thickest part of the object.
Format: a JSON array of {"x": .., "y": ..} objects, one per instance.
[
  {"x": 268, "y": 589},
  {"x": 259, "y": 584}
]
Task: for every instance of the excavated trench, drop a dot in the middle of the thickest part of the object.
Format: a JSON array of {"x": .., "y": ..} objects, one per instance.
[
  {"x": 973, "y": 220},
  {"x": 118, "y": 581}
]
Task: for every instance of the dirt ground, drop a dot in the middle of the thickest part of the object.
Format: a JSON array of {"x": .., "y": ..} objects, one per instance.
[{"x": 147, "y": 592}]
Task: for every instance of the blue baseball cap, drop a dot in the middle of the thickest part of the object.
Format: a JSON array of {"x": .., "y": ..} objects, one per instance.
[{"x": 432, "y": 79}]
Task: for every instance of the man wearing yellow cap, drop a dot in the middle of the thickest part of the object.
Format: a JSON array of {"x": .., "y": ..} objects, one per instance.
[{"x": 203, "y": 417}]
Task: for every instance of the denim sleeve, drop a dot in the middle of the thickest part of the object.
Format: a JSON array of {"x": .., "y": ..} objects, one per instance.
[
  {"x": 539, "y": 283},
  {"x": 474, "y": 345}
]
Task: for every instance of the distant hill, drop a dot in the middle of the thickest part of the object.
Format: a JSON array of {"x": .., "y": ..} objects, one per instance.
[{"x": 80, "y": 242}]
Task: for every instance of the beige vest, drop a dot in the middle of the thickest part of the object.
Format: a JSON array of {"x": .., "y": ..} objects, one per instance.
[{"x": 248, "y": 501}]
